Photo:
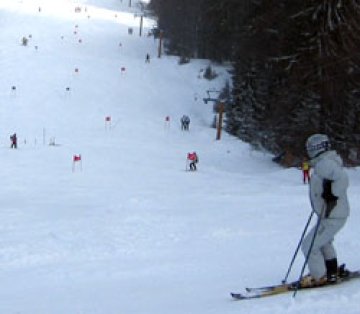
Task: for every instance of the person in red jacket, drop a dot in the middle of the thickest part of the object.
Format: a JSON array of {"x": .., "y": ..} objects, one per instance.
[{"x": 193, "y": 160}]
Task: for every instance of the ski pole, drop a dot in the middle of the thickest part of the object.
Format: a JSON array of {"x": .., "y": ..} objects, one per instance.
[
  {"x": 298, "y": 247},
  {"x": 308, "y": 253}
]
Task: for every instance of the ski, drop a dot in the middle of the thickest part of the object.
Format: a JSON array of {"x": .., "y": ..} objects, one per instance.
[
  {"x": 266, "y": 291},
  {"x": 255, "y": 293},
  {"x": 350, "y": 275},
  {"x": 271, "y": 287}
]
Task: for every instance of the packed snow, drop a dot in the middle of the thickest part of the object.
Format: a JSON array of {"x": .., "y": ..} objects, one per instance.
[{"x": 127, "y": 229}]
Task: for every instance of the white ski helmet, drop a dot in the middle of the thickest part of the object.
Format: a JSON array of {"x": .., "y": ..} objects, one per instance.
[{"x": 317, "y": 144}]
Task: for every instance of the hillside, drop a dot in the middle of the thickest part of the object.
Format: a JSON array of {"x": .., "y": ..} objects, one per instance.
[{"x": 127, "y": 230}]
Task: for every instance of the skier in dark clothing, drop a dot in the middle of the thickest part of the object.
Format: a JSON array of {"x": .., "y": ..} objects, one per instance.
[
  {"x": 185, "y": 122},
  {"x": 13, "y": 139}
]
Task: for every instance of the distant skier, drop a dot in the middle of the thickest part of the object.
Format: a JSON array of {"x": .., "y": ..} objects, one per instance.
[
  {"x": 305, "y": 167},
  {"x": 193, "y": 160},
  {"x": 147, "y": 58},
  {"x": 13, "y": 140},
  {"x": 328, "y": 196},
  {"x": 24, "y": 41},
  {"x": 167, "y": 122},
  {"x": 185, "y": 122}
]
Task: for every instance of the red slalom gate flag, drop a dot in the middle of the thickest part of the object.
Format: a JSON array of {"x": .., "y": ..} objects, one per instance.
[{"x": 76, "y": 160}]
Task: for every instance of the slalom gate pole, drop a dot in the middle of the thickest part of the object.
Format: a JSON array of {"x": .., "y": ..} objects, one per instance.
[
  {"x": 115, "y": 124},
  {"x": 298, "y": 247},
  {"x": 308, "y": 253}
]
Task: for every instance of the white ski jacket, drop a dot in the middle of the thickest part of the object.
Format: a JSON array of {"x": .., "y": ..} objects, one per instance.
[{"x": 329, "y": 166}]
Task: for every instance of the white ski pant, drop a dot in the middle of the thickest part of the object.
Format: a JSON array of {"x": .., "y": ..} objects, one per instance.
[{"x": 323, "y": 248}]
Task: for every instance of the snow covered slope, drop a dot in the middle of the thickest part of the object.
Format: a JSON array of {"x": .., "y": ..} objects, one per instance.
[{"x": 132, "y": 231}]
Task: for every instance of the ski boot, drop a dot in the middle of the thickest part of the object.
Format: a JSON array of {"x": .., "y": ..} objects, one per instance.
[
  {"x": 343, "y": 272},
  {"x": 332, "y": 270}
]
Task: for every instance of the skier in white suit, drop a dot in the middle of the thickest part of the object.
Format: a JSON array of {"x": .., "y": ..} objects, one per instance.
[{"x": 328, "y": 196}]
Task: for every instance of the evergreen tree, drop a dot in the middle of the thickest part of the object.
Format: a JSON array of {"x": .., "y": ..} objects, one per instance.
[{"x": 296, "y": 65}]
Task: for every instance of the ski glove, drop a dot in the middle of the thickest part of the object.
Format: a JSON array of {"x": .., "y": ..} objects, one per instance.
[{"x": 329, "y": 197}]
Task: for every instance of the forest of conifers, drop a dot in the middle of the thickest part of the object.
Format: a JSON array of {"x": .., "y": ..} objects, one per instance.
[{"x": 295, "y": 66}]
